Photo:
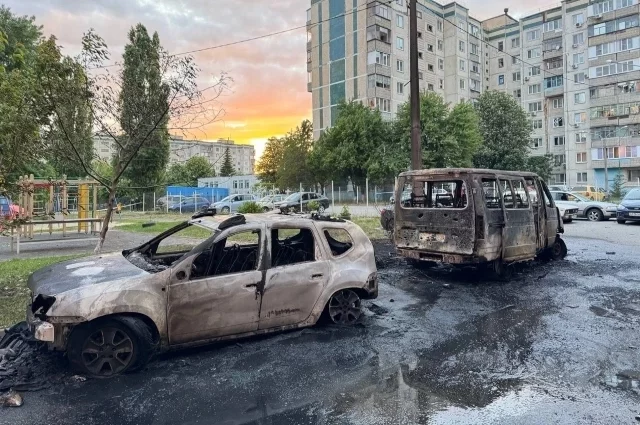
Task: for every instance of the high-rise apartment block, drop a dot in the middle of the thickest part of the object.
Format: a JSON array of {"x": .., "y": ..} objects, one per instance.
[{"x": 573, "y": 68}]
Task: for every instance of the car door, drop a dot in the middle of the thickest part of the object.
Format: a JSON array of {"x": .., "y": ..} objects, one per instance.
[
  {"x": 235, "y": 202},
  {"x": 519, "y": 234},
  {"x": 217, "y": 292},
  {"x": 296, "y": 278}
]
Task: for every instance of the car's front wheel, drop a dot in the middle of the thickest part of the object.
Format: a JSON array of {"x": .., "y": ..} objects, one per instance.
[
  {"x": 345, "y": 307},
  {"x": 109, "y": 347},
  {"x": 225, "y": 210},
  {"x": 594, "y": 214}
]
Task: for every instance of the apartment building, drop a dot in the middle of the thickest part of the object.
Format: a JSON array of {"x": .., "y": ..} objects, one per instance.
[
  {"x": 242, "y": 156},
  {"x": 573, "y": 68}
]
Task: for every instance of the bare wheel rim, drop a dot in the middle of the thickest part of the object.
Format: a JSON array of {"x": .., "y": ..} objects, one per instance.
[
  {"x": 557, "y": 250},
  {"x": 107, "y": 351},
  {"x": 321, "y": 209},
  {"x": 345, "y": 307},
  {"x": 594, "y": 215},
  {"x": 226, "y": 210}
]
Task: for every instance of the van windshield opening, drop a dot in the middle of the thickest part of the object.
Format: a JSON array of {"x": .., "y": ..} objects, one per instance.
[{"x": 433, "y": 193}]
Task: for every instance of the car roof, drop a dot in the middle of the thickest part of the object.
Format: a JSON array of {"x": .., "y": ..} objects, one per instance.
[{"x": 223, "y": 222}]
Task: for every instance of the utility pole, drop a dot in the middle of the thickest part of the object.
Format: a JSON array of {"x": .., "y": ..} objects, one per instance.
[{"x": 416, "y": 150}]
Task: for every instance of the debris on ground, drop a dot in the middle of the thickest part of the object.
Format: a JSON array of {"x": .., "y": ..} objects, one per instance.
[
  {"x": 377, "y": 309},
  {"x": 447, "y": 286},
  {"x": 78, "y": 378},
  {"x": 11, "y": 399},
  {"x": 611, "y": 253},
  {"x": 391, "y": 300},
  {"x": 24, "y": 365}
]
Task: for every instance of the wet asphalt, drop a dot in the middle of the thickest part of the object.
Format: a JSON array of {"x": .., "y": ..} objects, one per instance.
[{"x": 556, "y": 345}]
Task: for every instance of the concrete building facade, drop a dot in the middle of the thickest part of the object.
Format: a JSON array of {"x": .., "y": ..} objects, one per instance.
[
  {"x": 573, "y": 68},
  {"x": 242, "y": 156}
]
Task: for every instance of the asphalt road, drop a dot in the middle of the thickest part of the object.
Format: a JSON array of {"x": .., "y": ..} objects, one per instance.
[{"x": 558, "y": 344}]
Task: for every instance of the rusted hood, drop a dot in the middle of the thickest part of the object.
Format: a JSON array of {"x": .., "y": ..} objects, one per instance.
[{"x": 70, "y": 275}]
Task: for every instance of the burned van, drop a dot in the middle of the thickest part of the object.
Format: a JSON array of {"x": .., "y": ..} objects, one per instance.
[{"x": 474, "y": 216}]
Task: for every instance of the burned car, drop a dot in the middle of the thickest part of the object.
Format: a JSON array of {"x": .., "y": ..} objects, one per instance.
[
  {"x": 489, "y": 217},
  {"x": 205, "y": 280}
]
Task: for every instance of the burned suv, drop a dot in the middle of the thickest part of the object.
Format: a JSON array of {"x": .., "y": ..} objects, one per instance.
[{"x": 205, "y": 280}]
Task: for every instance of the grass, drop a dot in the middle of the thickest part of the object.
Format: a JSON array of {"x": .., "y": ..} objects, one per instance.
[{"x": 14, "y": 294}]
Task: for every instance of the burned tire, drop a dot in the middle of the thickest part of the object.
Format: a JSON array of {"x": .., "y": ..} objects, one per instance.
[
  {"x": 559, "y": 250},
  {"x": 110, "y": 347},
  {"x": 345, "y": 307},
  {"x": 594, "y": 214}
]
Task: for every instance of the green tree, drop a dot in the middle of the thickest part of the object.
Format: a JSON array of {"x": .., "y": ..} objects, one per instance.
[
  {"x": 188, "y": 174},
  {"x": 270, "y": 161},
  {"x": 449, "y": 137},
  {"x": 227, "y": 169},
  {"x": 542, "y": 165},
  {"x": 617, "y": 185},
  {"x": 296, "y": 146},
  {"x": 144, "y": 100},
  {"x": 506, "y": 132}
]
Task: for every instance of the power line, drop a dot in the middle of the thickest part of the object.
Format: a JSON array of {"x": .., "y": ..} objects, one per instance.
[{"x": 260, "y": 37}]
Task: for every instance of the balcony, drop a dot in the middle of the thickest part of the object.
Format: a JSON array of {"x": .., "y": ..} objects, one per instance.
[
  {"x": 548, "y": 35},
  {"x": 554, "y": 91},
  {"x": 376, "y": 68},
  {"x": 553, "y": 53},
  {"x": 376, "y": 45}
]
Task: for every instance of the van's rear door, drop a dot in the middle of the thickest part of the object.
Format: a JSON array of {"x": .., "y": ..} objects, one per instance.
[{"x": 434, "y": 221}]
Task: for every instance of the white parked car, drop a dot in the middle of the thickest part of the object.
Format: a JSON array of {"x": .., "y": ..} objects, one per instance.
[{"x": 591, "y": 210}]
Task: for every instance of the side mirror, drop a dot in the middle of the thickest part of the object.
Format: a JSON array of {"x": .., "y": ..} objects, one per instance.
[{"x": 181, "y": 275}]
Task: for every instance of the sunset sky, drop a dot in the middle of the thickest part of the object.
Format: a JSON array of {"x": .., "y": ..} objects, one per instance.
[{"x": 268, "y": 96}]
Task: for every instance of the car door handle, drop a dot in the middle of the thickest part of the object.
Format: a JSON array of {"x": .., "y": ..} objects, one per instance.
[{"x": 317, "y": 276}]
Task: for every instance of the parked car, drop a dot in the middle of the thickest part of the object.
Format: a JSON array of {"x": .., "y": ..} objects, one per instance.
[
  {"x": 190, "y": 204},
  {"x": 629, "y": 208},
  {"x": 162, "y": 202},
  {"x": 560, "y": 188},
  {"x": 268, "y": 202},
  {"x": 591, "y": 210},
  {"x": 589, "y": 192},
  {"x": 230, "y": 204},
  {"x": 243, "y": 275},
  {"x": 6, "y": 210},
  {"x": 292, "y": 202},
  {"x": 568, "y": 211}
]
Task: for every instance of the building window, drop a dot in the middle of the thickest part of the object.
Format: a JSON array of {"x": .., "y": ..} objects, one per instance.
[
  {"x": 536, "y": 143},
  {"x": 558, "y": 122},
  {"x": 420, "y": 76},
  {"x": 383, "y": 105},
  {"x": 558, "y": 160},
  {"x": 376, "y": 32},
  {"x": 398, "y": 2},
  {"x": 619, "y": 24},
  {"x": 558, "y": 103},
  {"x": 420, "y": 55},
  {"x": 440, "y": 63},
  {"x": 419, "y": 34},
  {"x": 536, "y": 124},
  {"x": 534, "y": 53},
  {"x": 612, "y": 69},
  {"x": 430, "y": 47},
  {"x": 515, "y": 59},
  {"x": 534, "y": 70},
  {"x": 581, "y": 137},
  {"x": 500, "y": 63},
  {"x": 441, "y": 85},
  {"x": 580, "y": 97},
  {"x": 400, "y": 21},
  {"x": 380, "y": 81},
  {"x": 461, "y": 46},
  {"x": 440, "y": 25},
  {"x": 580, "y": 117},
  {"x": 535, "y": 88},
  {"x": 382, "y": 11},
  {"x": 578, "y": 39},
  {"x": 430, "y": 87},
  {"x": 553, "y": 82},
  {"x": 581, "y": 157},
  {"x": 556, "y": 24},
  {"x": 462, "y": 84},
  {"x": 535, "y": 106},
  {"x": 517, "y": 93},
  {"x": 379, "y": 58},
  {"x": 500, "y": 80},
  {"x": 500, "y": 46},
  {"x": 430, "y": 67},
  {"x": 439, "y": 44},
  {"x": 474, "y": 49},
  {"x": 400, "y": 65},
  {"x": 429, "y": 28},
  {"x": 578, "y": 19},
  {"x": 582, "y": 177},
  {"x": 515, "y": 42},
  {"x": 578, "y": 58},
  {"x": 578, "y": 78},
  {"x": 533, "y": 35},
  {"x": 400, "y": 43},
  {"x": 516, "y": 76},
  {"x": 461, "y": 65},
  {"x": 558, "y": 141}
]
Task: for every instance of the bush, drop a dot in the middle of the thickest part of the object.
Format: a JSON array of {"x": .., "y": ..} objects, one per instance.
[
  {"x": 250, "y": 207},
  {"x": 345, "y": 213},
  {"x": 313, "y": 205}
]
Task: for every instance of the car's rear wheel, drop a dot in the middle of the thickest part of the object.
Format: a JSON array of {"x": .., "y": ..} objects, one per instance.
[
  {"x": 345, "y": 307},
  {"x": 265, "y": 209},
  {"x": 225, "y": 210},
  {"x": 621, "y": 221},
  {"x": 594, "y": 214},
  {"x": 558, "y": 250},
  {"x": 321, "y": 209},
  {"x": 109, "y": 347},
  {"x": 567, "y": 220}
]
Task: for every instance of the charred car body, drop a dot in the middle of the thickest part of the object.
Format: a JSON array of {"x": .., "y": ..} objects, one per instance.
[
  {"x": 205, "y": 280},
  {"x": 484, "y": 216}
]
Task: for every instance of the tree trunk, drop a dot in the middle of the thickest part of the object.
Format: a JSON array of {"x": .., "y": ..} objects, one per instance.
[{"x": 107, "y": 219}]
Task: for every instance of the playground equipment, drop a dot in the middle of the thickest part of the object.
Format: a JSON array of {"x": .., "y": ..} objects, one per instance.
[{"x": 53, "y": 219}]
